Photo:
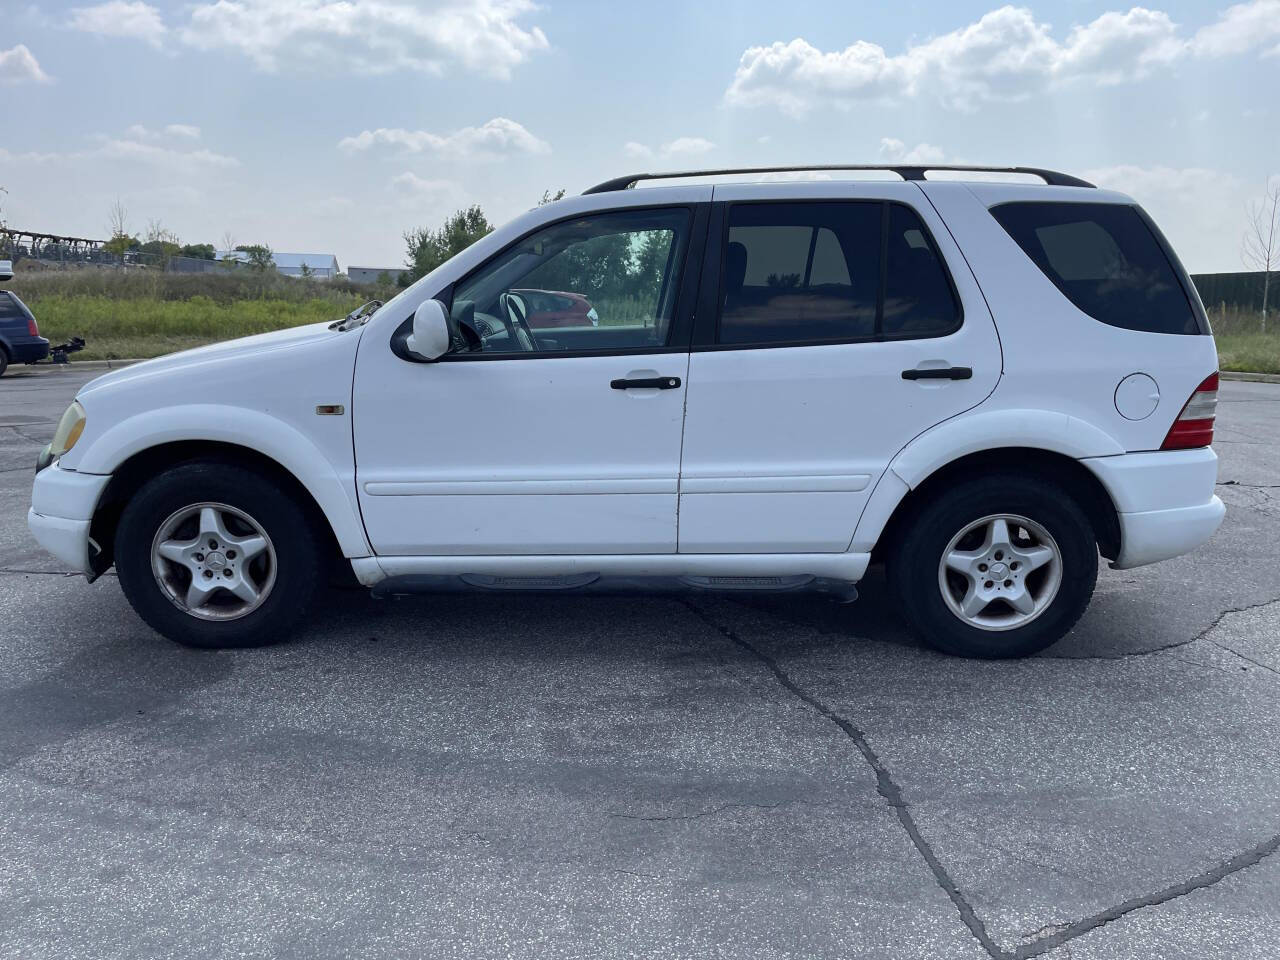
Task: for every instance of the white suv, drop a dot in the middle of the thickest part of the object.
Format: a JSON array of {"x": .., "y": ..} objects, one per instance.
[{"x": 984, "y": 384}]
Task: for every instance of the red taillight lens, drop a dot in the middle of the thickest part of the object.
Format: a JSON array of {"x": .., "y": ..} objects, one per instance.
[
  {"x": 32, "y": 328},
  {"x": 1194, "y": 426}
]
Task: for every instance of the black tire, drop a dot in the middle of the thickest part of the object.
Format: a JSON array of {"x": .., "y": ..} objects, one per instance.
[
  {"x": 296, "y": 547},
  {"x": 913, "y": 564},
  {"x": 4, "y": 359}
]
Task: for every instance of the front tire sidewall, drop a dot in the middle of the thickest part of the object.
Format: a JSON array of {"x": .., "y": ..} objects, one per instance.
[
  {"x": 297, "y": 554},
  {"x": 914, "y": 566}
]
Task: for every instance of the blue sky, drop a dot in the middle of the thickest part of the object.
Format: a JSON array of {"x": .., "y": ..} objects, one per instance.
[{"x": 329, "y": 126}]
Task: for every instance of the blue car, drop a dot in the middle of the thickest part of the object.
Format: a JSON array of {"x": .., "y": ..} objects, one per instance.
[{"x": 20, "y": 340}]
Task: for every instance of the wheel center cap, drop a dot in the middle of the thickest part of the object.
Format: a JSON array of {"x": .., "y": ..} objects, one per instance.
[
  {"x": 999, "y": 571},
  {"x": 215, "y": 560}
]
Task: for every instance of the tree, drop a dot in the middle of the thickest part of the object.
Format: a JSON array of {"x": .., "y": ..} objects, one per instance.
[
  {"x": 198, "y": 251},
  {"x": 228, "y": 240},
  {"x": 118, "y": 224},
  {"x": 549, "y": 197},
  {"x": 257, "y": 256},
  {"x": 1261, "y": 247},
  {"x": 118, "y": 220},
  {"x": 306, "y": 271},
  {"x": 427, "y": 249}
]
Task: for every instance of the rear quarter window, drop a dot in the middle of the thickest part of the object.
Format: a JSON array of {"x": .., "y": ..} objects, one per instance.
[{"x": 1106, "y": 259}]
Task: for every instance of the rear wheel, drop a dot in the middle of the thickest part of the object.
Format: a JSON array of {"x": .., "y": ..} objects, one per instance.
[
  {"x": 215, "y": 555},
  {"x": 4, "y": 359},
  {"x": 1000, "y": 566}
]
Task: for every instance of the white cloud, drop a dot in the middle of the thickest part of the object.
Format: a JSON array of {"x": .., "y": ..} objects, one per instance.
[
  {"x": 121, "y": 18},
  {"x": 1005, "y": 55},
  {"x": 679, "y": 147},
  {"x": 893, "y": 150},
  {"x": 370, "y": 36},
  {"x": 414, "y": 185},
  {"x": 495, "y": 138},
  {"x": 19, "y": 65},
  {"x": 1200, "y": 210},
  {"x": 184, "y": 131},
  {"x": 688, "y": 147},
  {"x": 138, "y": 151},
  {"x": 1239, "y": 29}
]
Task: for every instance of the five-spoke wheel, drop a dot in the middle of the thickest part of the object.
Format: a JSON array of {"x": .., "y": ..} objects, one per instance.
[
  {"x": 213, "y": 561},
  {"x": 1000, "y": 572},
  {"x": 1000, "y": 565}
]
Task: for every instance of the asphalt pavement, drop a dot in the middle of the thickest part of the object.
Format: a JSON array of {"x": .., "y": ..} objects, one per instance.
[{"x": 666, "y": 777}]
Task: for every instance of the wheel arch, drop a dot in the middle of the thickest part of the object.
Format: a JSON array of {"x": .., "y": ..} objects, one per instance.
[
  {"x": 1051, "y": 465},
  {"x": 128, "y": 476}
]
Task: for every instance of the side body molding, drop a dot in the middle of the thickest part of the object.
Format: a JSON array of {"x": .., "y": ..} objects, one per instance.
[
  {"x": 332, "y": 485},
  {"x": 974, "y": 432}
]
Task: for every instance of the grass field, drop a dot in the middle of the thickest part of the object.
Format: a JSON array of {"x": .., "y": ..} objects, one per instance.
[
  {"x": 139, "y": 313},
  {"x": 127, "y": 314}
]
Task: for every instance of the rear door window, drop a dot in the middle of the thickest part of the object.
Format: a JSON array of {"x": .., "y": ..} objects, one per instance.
[
  {"x": 822, "y": 272},
  {"x": 1106, "y": 260},
  {"x": 9, "y": 309}
]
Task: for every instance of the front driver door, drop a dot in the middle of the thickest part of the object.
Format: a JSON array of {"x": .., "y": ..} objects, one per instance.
[{"x": 539, "y": 441}]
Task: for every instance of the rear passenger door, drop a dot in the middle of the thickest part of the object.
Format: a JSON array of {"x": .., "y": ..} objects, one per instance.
[{"x": 833, "y": 326}]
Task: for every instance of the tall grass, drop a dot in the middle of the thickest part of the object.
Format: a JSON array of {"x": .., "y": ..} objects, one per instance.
[
  {"x": 142, "y": 313},
  {"x": 1242, "y": 344}
]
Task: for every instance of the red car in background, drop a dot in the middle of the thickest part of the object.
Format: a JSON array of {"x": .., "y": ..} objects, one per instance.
[{"x": 558, "y": 308}]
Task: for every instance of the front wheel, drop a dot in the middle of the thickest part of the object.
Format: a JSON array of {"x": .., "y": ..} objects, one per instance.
[
  {"x": 215, "y": 555},
  {"x": 1001, "y": 566}
]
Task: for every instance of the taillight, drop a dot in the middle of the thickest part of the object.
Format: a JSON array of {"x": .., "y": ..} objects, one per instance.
[
  {"x": 1194, "y": 426},
  {"x": 31, "y": 326}
]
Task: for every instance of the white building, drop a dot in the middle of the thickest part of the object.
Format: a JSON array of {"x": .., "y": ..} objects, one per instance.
[{"x": 321, "y": 265}]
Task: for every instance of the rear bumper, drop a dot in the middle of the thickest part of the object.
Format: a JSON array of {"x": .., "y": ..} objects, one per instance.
[
  {"x": 1164, "y": 500},
  {"x": 28, "y": 349},
  {"x": 62, "y": 507}
]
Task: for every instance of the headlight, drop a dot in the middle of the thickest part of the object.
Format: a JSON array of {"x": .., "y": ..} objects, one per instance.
[{"x": 64, "y": 438}]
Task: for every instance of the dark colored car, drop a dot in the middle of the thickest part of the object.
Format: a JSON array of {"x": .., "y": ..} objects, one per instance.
[
  {"x": 558, "y": 308},
  {"x": 20, "y": 340}
]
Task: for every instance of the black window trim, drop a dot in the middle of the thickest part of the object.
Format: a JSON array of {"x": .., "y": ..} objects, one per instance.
[
  {"x": 679, "y": 336},
  {"x": 707, "y": 325},
  {"x": 1162, "y": 243}
]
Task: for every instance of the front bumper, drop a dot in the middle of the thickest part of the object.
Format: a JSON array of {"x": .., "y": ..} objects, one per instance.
[
  {"x": 62, "y": 507},
  {"x": 1165, "y": 502}
]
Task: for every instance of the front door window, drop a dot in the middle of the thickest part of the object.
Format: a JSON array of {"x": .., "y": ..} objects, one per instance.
[{"x": 601, "y": 282}]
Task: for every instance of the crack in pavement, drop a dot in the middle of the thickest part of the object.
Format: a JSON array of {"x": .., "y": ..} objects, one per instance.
[
  {"x": 885, "y": 784},
  {"x": 1249, "y": 858},
  {"x": 1213, "y": 625},
  {"x": 892, "y": 794},
  {"x": 1257, "y": 663}
]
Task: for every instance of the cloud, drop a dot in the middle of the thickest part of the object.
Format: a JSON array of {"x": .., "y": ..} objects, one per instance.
[
  {"x": 19, "y": 65},
  {"x": 1005, "y": 55},
  {"x": 139, "y": 147},
  {"x": 121, "y": 18},
  {"x": 1239, "y": 29},
  {"x": 495, "y": 138},
  {"x": 679, "y": 147},
  {"x": 1200, "y": 210},
  {"x": 183, "y": 131},
  {"x": 893, "y": 150},
  {"x": 410, "y": 183},
  {"x": 370, "y": 36}
]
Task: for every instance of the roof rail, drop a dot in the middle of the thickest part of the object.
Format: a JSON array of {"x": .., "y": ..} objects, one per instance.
[{"x": 905, "y": 171}]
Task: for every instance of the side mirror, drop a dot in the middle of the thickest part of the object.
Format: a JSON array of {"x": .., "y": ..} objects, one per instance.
[{"x": 430, "y": 337}]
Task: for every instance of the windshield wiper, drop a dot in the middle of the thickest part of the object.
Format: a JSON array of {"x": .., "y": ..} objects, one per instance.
[{"x": 358, "y": 316}]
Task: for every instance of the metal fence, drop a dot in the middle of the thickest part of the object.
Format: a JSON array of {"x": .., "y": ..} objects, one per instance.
[{"x": 1240, "y": 291}]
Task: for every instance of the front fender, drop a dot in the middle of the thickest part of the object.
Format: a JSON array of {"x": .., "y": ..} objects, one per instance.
[
  {"x": 331, "y": 484},
  {"x": 950, "y": 440}
]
